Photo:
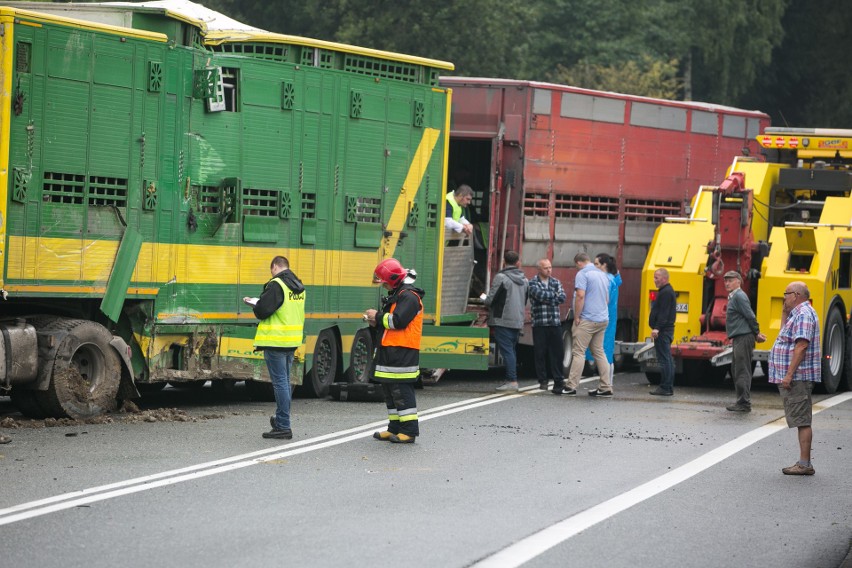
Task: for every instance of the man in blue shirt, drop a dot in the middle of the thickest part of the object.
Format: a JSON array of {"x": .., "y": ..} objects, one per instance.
[{"x": 591, "y": 316}]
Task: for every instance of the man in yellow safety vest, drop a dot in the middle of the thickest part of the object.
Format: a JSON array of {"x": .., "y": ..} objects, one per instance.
[{"x": 281, "y": 311}]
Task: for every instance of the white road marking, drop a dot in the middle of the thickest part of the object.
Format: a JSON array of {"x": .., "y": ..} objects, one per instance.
[
  {"x": 100, "y": 493},
  {"x": 538, "y": 543}
]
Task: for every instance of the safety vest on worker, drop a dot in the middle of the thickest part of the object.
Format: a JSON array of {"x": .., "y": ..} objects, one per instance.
[
  {"x": 285, "y": 327},
  {"x": 399, "y": 349},
  {"x": 457, "y": 209}
]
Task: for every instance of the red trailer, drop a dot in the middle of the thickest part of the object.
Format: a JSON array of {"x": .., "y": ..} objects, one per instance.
[{"x": 557, "y": 170}]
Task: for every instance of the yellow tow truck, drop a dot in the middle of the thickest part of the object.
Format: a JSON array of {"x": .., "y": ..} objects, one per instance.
[{"x": 784, "y": 217}]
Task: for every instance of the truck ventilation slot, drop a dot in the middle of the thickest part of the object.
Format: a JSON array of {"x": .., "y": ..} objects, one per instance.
[
  {"x": 585, "y": 207},
  {"x": 210, "y": 199},
  {"x": 650, "y": 210},
  {"x": 269, "y": 52},
  {"x": 260, "y": 202},
  {"x": 64, "y": 188},
  {"x": 107, "y": 191}
]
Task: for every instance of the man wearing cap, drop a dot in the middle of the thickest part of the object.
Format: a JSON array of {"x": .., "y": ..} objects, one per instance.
[{"x": 743, "y": 330}]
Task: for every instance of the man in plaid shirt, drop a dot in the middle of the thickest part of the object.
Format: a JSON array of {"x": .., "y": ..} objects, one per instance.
[
  {"x": 546, "y": 294},
  {"x": 794, "y": 365}
]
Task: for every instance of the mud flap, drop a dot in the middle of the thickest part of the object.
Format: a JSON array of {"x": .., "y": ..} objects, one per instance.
[
  {"x": 357, "y": 392},
  {"x": 127, "y": 388}
]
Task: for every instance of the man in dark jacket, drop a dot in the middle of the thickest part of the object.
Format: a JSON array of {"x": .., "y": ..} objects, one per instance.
[
  {"x": 281, "y": 311},
  {"x": 743, "y": 330},
  {"x": 397, "y": 368},
  {"x": 662, "y": 320},
  {"x": 506, "y": 300}
]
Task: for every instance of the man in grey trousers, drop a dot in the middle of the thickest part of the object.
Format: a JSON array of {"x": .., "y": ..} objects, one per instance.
[{"x": 743, "y": 330}]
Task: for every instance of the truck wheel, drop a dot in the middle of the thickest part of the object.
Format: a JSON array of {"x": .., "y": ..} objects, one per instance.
[
  {"x": 85, "y": 371},
  {"x": 360, "y": 357},
  {"x": 834, "y": 342},
  {"x": 848, "y": 362},
  {"x": 324, "y": 366}
]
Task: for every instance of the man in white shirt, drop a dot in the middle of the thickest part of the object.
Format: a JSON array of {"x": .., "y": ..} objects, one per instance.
[{"x": 456, "y": 201}]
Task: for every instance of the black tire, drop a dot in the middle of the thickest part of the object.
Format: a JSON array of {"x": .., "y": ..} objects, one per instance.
[
  {"x": 26, "y": 401},
  {"x": 324, "y": 369},
  {"x": 848, "y": 363},
  {"x": 653, "y": 378},
  {"x": 85, "y": 371},
  {"x": 833, "y": 347},
  {"x": 360, "y": 358}
]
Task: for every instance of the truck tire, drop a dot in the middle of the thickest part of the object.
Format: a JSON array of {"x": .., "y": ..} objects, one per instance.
[
  {"x": 85, "y": 371},
  {"x": 833, "y": 347},
  {"x": 324, "y": 369},
  {"x": 848, "y": 362},
  {"x": 360, "y": 358}
]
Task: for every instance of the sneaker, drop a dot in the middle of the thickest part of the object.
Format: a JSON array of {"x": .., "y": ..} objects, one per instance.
[
  {"x": 277, "y": 434},
  {"x": 384, "y": 436},
  {"x": 738, "y": 408},
  {"x": 600, "y": 394},
  {"x": 272, "y": 422},
  {"x": 542, "y": 386},
  {"x": 798, "y": 469},
  {"x": 508, "y": 386},
  {"x": 401, "y": 439},
  {"x": 660, "y": 392}
]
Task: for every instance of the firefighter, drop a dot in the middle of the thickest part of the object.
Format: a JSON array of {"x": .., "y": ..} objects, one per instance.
[{"x": 397, "y": 365}]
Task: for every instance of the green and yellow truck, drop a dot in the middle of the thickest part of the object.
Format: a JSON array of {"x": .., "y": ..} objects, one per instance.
[{"x": 155, "y": 156}]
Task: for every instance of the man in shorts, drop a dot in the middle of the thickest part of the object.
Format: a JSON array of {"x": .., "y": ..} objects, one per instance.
[{"x": 794, "y": 365}]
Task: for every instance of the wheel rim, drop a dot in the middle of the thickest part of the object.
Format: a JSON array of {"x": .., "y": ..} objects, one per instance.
[
  {"x": 835, "y": 350},
  {"x": 322, "y": 359},
  {"x": 88, "y": 361},
  {"x": 360, "y": 360}
]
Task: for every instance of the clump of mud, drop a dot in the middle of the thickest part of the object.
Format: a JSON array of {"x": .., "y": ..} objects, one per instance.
[{"x": 129, "y": 413}]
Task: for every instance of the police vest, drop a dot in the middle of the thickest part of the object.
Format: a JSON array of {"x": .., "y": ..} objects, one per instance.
[
  {"x": 285, "y": 327},
  {"x": 457, "y": 210}
]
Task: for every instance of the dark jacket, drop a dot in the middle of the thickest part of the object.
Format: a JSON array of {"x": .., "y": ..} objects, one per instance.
[
  {"x": 663, "y": 309},
  {"x": 506, "y": 298},
  {"x": 739, "y": 317},
  {"x": 407, "y": 307}
]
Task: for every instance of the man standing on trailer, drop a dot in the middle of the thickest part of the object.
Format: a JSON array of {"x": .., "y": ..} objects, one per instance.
[
  {"x": 546, "y": 295},
  {"x": 400, "y": 323},
  {"x": 454, "y": 219},
  {"x": 743, "y": 330},
  {"x": 794, "y": 365},
  {"x": 662, "y": 320},
  {"x": 281, "y": 311}
]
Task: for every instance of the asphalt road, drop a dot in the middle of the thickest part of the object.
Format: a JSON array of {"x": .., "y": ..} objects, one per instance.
[{"x": 494, "y": 480}]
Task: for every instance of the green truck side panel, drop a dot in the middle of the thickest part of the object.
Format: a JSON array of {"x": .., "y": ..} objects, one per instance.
[
  {"x": 125, "y": 262},
  {"x": 112, "y": 144}
]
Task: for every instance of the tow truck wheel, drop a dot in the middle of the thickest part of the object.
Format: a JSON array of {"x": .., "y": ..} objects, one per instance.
[
  {"x": 848, "y": 362},
  {"x": 833, "y": 346},
  {"x": 324, "y": 366},
  {"x": 86, "y": 371}
]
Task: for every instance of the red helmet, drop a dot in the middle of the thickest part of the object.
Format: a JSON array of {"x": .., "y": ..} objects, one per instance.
[{"x": 390, "y": 272}]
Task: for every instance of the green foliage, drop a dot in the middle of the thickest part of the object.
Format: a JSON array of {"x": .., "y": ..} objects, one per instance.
[
  {"x": 648, "y": 77},
  {"x": 779, "y": 55}
]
